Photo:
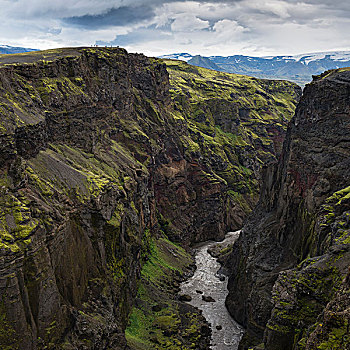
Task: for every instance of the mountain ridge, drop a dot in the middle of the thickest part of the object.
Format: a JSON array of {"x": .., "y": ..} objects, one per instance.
[
  {"x": 6, "y": 49},
  {"x": 297, "y": 68}
]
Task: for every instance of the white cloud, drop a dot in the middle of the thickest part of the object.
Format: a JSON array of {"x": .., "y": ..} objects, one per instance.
[
  {"x": 186, "y": 22},
  {"x": 256, "y": 27},
  {"x": 228, "y": 28}
]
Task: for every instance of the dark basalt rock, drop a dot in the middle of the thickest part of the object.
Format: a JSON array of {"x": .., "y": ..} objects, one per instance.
[
  {"x": 293, "y": 251},
  {"x": 75, "y": 205},
  {"x": 158, "y": 307},
  {"x": 186, "y": 298},
  {"x": 208, "y": 299}
]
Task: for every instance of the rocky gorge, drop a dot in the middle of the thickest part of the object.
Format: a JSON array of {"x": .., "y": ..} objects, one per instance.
[
  {"x": 289, "y": 283},
  {"x": 114, "y": 164}
]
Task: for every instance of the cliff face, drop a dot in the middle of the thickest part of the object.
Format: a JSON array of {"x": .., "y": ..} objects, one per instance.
[
  {"x": 75, "y": 203},
  {"x": 97, "y": 162},
  {"x": 293, "y": 253}
]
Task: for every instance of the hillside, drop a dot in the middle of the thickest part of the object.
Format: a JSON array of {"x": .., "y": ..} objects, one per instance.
[
  {"x": 236, "y": 124},
  {"x": 102, "y": 161},
  {"x": 204, "y": 62}
]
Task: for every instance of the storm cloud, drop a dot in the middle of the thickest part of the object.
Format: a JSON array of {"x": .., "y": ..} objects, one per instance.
[
  {"x": 120, "y": 16},
  {"x": 210, "y": 27}
]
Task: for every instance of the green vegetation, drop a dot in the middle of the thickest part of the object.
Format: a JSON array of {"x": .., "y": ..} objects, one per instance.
[
  {"x": 336, "y": 217},
  {"x": 330, "y": 72},
  {"x": 316, "y": 280},
  {"x": 16, "y": 221},
  {"x": 44, "y": 56},
  {"x": 336, "y": 339},
  {"x": 340, "y": 196},
  {"x": 310, "y": 289},
  {"x": 159, "y": 320},
  {"x": 267, "y": 100}
]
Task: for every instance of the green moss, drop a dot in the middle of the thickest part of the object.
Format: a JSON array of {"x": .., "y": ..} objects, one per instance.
[
  {"x": 240, "y": 199},
  {"x": 201, "y": 84},
  {"x": 190, "y": 146},
  {"x": 117, "y": 215},
  {"x": 330, "y": 72},
  {"x": 16, "y": 222},
  {"x": 146, "y": 244},
  {"x": 44, "y": 188},
  {"x": 333, "y": 223},
  {"x": 340, "y": 196},
  {"x": 62, "y": 88},
  {"x": 88, "y": 177},
  {"x": 337, "y": 338},
  {"x": 160, "y": 261},
  {"x": 311, "y": 286},
  {"x": 115, "y": 262},
  {"x": 208, "y": 119},
  {"x": 279, "y": 328}
]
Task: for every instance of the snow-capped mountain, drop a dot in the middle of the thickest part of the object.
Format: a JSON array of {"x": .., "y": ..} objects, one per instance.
[
  {"x": 297, "y": 68},
  {"x": 341, "y": 56},
  {"x": 178, "y": 56},
  {"x": 6, "y": 49}
]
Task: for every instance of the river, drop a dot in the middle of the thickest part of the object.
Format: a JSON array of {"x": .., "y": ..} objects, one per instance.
[{"x": 206, "y": 283}]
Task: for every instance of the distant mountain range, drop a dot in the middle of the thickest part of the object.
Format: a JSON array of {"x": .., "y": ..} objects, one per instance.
[
  {"x": 298, "y": 68},
  {"x": 5, "y": 49}
]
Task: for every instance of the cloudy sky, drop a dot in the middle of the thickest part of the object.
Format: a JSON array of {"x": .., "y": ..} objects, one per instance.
[{"x": 155, "y": 27}]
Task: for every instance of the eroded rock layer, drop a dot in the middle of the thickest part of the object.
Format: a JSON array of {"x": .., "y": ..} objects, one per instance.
[
  {"x": 292, "y": 257},
  {"x": 97, "y": 162}
]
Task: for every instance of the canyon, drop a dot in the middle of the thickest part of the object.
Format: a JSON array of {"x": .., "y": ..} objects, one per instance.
[{"x": 113, "y": 165}]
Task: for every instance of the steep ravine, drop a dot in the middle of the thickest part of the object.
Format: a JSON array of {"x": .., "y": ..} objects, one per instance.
[
  {"x": 101, "y": 156},
  {"x": 207, "y": 289},
  {"x": 290, "y": 267}
]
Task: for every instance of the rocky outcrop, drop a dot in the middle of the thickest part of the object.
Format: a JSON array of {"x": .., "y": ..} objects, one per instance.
[
  {"x": 95, "y": 164},
  {"x": 294, "y": 250}
]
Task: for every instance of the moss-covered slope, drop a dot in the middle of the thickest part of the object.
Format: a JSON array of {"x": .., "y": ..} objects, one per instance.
[{"x": 235, "y": 124}]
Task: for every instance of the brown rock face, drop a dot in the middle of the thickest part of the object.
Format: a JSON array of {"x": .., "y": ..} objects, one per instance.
[
  {"x": 193, "y": 202},
  {"x": 300, "y": 219}
]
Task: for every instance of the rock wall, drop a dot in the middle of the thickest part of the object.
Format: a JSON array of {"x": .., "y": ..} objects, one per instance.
[
  {"x": 294, "y": 250},
  {"x": 94, "y": 164}
]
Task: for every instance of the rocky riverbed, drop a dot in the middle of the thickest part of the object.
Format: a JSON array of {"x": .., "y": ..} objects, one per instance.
[{"x": 207, "y": 290}]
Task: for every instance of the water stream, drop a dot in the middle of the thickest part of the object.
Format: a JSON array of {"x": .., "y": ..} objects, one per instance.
[{"x": 207, "y": 283}]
